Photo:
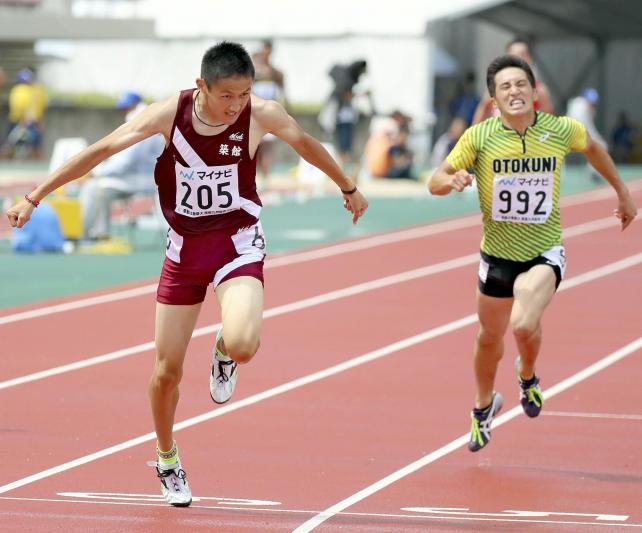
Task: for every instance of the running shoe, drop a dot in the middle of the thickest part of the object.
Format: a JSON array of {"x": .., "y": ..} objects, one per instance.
[
  {"x": 224, "y": 373},
  {"x": 481, "y": 422},
  {"x": 174, "y": 486},
  {"x": 530, "y": 393}
]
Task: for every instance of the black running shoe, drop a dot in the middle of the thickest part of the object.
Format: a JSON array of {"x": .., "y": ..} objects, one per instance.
[
  {"x": 530, "y": 393},
  {"x": 481, "y": 422}
]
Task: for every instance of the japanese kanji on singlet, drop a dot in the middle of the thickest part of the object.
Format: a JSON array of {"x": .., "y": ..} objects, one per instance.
[
  {"x": 518, "y": 181},
  {"x": 207, "y": 191}
]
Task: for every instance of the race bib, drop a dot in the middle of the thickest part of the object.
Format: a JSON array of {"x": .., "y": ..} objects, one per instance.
[
  {"x": 523, "y": 198},
  {"x": 203, "y": 190}
]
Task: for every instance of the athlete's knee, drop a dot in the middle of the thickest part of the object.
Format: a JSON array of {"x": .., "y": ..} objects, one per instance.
[
  {"x": 524, "y": 327},
  {"x": 166, "y": 376},
  {"x": 242, "y": 349},
  {"x": 488, "y": 337}
]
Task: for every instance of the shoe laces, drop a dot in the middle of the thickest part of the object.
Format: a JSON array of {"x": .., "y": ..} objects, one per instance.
[
  {"x": 475, "y": 432},
  {"x": 174, "y": 474},
  {"x": 533, "y": 396},
  {"x": 222, "y": 374}
]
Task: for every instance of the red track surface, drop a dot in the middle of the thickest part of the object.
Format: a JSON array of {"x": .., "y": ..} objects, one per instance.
[{"x": 324, "y": 440}]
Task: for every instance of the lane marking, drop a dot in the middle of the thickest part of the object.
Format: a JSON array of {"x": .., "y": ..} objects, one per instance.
[
  {"x": 605, "y": 416},
  {"x": 152, "y": 502},
  {"x": 330, "y": 371},
  {"x": 287, "y": 260},
  {"x": 513, "y": 513},
  {"x": 454, "y": 445},
  {"x": 268, "y": 313},
  {"x": 353, "y": 290},
  {"x": 311, "y": 255},
  {"x": 127, "y": 497}
]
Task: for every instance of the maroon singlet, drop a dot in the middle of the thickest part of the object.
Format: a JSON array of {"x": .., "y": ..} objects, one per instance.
[{"x": 201, "y": 155}]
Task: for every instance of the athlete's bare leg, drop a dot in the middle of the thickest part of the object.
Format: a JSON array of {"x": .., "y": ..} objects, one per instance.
[
  {"x": 241, "y": 301},
  {"x": 533, "y": 291},
  {"x": 494, "y": 314},
  {"x": 174, "y": 328}
]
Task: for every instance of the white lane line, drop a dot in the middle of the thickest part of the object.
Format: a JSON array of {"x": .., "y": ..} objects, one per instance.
[
  {"x": 435, "y": 268},
  {"x": 411, "y": 517},
  {"x": 286, "y": 260},
  {"x": 462, "y": 440},
  {"x": 268, "y": 313},
  {"x": 311, "y": 255},
  {"x": 306, "y": 380},
  {"x": 603, "y": 416}
]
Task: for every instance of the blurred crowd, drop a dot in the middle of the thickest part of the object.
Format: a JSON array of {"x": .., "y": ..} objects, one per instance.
[{"x": 367, "y": 141}]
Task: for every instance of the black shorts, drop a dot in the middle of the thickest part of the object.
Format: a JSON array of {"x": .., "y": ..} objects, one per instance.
[{"x": 497, "y": 276}]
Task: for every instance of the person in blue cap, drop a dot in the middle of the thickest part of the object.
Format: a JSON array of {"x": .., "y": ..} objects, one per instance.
[
  {"x": 582, "y": 108},
  {"x": 128, "y": 101},
  {"x": 119, "y": 177}
]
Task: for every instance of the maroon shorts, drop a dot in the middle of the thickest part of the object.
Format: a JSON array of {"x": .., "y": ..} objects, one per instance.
[{"x": 192, "y": 262}]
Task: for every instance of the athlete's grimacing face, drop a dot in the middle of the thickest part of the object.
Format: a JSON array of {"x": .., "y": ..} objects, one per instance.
[
  {"x": 514, "y": 95},
  {"x": 225, "y": 99}
]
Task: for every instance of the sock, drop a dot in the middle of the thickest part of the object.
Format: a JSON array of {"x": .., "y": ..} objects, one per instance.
[
  {"x": 220, "y": 353},
  {"x": 527, "y": 383},
  {"x": 167, "y": 458},
  {"x": 481, "y": 414}
]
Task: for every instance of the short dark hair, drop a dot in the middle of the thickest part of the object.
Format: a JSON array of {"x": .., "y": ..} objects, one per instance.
[
  {"x": 226, "y": 60},
  {"x": 502, "y": 62}
]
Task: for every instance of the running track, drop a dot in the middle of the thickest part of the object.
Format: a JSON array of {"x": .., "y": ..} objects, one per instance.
[{"x": 354, "y": 414}]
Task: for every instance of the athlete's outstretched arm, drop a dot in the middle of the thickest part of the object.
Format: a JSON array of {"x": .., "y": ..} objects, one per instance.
[
  {"x": 447, "y": 178},
  {"x": 274, "y": 119},
  {"x": 601, "y": 161},
  {"x": 154, "y": 119}
]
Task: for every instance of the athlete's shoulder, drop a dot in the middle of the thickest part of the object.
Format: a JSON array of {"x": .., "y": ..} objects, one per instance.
[
  {"x": 566, "y": 127},
  {"x": 560, "y": 122},
  {"x": 481, "y": 133},
  {"x": 268, "y": 113}
]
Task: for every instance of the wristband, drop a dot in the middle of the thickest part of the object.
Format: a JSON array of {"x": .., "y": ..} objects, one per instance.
[
  {"x": 352, "y": 191},
  {"x": 33, "y": 202}
]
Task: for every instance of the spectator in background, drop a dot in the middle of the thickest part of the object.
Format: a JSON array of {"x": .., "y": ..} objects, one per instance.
[
  {"x": 447, "y": 141},
  {"x": 521, "y": 48},
  {"x": 27, "y": 108},
  {"x": 3, "y": 78},
  {"x": 340, "y": 115},
  {"x": 582, "y": 108},
  {"x": 377, "y": 149},
  {"x": 623, "y": 139},
  {"x": 120, "y": 176},
  {"x": 466, "y": 101},
  {"x": 400, "y": 155},
  {"x": 386, "y": 153},
  {"x": 269, "y": 85}
]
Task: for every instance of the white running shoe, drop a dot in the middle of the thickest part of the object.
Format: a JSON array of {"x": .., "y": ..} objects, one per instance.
[
  {"x": 224, "y": 373},
  {"x": 174, "y": 486}
]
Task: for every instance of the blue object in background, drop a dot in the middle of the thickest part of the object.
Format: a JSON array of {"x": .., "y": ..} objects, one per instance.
[{"x": 41, "y": 234}]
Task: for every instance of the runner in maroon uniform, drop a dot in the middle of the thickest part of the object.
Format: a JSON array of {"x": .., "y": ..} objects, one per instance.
[{"x": 206, "y": 184}]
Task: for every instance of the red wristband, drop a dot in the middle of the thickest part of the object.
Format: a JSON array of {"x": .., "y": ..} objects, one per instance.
[{"x": 33, "y": 202}]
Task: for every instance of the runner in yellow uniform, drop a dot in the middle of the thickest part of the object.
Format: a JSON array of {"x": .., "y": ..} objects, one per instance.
[{"x": 517, "y": 159}]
